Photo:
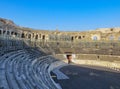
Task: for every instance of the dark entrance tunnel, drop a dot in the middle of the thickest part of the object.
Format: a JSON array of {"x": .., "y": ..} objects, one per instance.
[{"x": 69, "y": 58}]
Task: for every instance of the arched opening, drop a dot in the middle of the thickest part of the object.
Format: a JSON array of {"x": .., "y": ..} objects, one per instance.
[
  {"x": 23, "y": 35},
  {"x": 12, "y": 33},
  {"x": 111, "y": 29},
  {"x": 43, "y": 37},
  {"x": 29, "y": 36},
  {"x": 36, "y": 37},
  {"x": 4, "y": 32},
  {"x": 15, "y": 33},
  {"x": 79, "y": 37},
  {"x": 8, "y": 33},
  {"x": 98, "y": 57},
  {"x": 95, "y": 38},
  {"x": 69, "y": 58},
  {"x": 0, "y": 32},
  {"x": 72, "y": 38},
  {"x": 83, "y": 36}
]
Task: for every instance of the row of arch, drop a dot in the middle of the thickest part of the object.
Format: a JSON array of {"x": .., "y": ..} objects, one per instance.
[
  {"x": 77, "y": 37},
  {"x": 38, "y": 36},
  {"x": 9, "y": 32},
  {"x": 27, "y": 35},
  {"x": 32, "y": 35},
  {"x": 111, "y": 37},
  {"x": 65, "y": 37}
]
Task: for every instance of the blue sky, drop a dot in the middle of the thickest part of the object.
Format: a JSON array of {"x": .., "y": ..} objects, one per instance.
[{"x": 66, "y": 15}]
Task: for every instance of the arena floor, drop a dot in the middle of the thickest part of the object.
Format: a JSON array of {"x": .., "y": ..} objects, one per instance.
[{"x": 85, "y": 77}]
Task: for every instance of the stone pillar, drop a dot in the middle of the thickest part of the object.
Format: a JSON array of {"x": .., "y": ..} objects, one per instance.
[{"x": 10, "y": 32}]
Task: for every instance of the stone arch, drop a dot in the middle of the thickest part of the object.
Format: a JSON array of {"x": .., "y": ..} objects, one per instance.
[
  {"x": 111, "y": 37},
  {"x": 111, "y": 29},
  {"x": 16, "y": 33},
  {"x": 72, "y": 38},
  {"x": 76, "y": 37},
  {"x": 43, "y": 37},
  {"x": 79, "y": 37},
  {"x": 4, "y": 31},
  {"x": 36, "y": 37},
  {"x": 95, "y": 38},
  {"x": 22, "y": 35},
  {"x": 83, "y": 36},
  {"x": 8, "y": 32},
  {"x": 12, "y": 33},
  {"x": 29, "y": 36}
]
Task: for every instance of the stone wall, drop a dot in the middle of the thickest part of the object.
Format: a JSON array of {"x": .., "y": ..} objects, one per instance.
[
  {"x": 8, "y": 27},
  {"x": 96, "y": 57},
  {"x": 99, "y": 41},
  {"x": 108, "y": 61}
]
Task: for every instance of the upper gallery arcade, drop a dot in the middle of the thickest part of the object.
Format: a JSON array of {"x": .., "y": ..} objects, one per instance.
[{"x": 8, "y": 28}]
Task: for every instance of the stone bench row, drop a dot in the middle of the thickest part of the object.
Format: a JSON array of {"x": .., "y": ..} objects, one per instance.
[{"x": 23, "y": 70}]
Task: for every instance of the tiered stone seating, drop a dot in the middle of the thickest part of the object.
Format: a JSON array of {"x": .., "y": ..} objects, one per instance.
[
  {"x": 5, "y": 70},
  {"x": 26, "y": 69}
]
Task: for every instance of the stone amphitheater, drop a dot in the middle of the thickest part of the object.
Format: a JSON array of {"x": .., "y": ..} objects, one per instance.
[{"x": 44, "y": 59}]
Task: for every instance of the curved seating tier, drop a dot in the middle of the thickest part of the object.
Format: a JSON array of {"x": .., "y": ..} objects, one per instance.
[{"x": 26, "y": 69}]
